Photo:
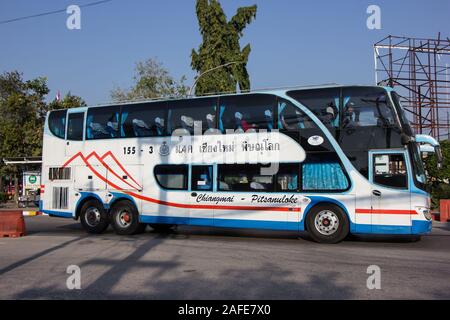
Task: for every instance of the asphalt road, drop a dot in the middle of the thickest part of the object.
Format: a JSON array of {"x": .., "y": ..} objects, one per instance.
[{"x": 209, "y": 263}]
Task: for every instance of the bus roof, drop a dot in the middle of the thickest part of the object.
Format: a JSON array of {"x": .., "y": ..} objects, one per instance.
[{"x": 213, "y": 95}]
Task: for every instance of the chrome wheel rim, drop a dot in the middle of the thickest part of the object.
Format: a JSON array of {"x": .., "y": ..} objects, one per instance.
[
  {"x": 124, "y": 219},
  {"x": 326, "y": 222},
  {"x": 92, "y": 217}
]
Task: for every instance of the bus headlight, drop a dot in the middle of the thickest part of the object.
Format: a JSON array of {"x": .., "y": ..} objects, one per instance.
[{"x": 425, "y": 211}]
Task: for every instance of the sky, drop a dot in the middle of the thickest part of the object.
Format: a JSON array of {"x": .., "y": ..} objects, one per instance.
[{"x": 294, "y": 42}]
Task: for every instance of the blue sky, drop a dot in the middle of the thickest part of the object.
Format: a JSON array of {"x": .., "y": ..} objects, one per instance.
[{"x": 293, "y": 42}]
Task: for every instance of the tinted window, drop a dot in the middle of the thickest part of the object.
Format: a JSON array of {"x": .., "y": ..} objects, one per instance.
[
  {"x": 390, "y": 170},
  {"x": 288, "y": 177},
  {"x": 364, "y": 107},
  {"x": 242, "y": 113},
  {"x": 75, "y": 126},
  {"x": 172, "y": 177},
  {"x": 187, "y": 115},
  {"x": 102, "y": 123},
  {"x": 144, "y": 120},
  {"x": 291, "y": 118},
  {"x": 323, "y": 172},
  {"x": 57, "y": 123},
  {"x": 300, "y": 127},
  {"x": 202, "y": 178},
  {"x": 244, "y": 177},
  {"x": 324, "y": 103}
]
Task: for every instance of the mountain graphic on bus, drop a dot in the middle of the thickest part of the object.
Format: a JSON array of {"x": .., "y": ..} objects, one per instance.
[{"x": 118, "y": 177}]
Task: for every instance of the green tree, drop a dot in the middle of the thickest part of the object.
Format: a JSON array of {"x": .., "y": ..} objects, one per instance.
[
  {"x": 151, "y": 80},
  {"x": 439, "y": 178},
  {"x": 69, "y": 101},
  {"x": 221, "y": 46},
  {"x": 23, "y": 109}
]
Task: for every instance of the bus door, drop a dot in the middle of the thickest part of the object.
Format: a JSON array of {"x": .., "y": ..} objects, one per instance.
[
  {"x": 75, "y": 132},
  {"x": 391, "y": 200},
  {"x": 202, "y": 179}
]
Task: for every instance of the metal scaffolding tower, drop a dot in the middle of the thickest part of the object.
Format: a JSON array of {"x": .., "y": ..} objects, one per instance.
[{"x": 419, "y": 70}]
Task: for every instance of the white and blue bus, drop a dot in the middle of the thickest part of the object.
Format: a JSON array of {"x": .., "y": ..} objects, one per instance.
[{"x": 331, "y": 160}]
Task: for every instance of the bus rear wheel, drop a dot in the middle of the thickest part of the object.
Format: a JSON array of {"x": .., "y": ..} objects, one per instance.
[
  {"x": 93, "y": 217},
  {"x": 125, "y": 219},
  {"x": 327, "y": 224}
]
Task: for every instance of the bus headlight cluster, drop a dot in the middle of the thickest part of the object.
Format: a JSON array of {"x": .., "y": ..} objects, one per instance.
[{"x": 425, "y": 211}]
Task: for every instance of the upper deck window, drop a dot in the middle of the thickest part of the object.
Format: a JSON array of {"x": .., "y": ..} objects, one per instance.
[
  {"x": 57, "y": 123},
  {"x": 192, "y": 116},
  {"x": 247, "y": 112},
  {"x": 365, "y": 107},
  {"x": 144, "y": 120},
  {"x": 324, "y": 103},
  {"x": 102, "y": 123}
]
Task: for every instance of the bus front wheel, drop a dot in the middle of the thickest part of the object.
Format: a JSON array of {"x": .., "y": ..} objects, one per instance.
[
  {"x": 327, "y": 224},
  {"x": 93, "y": 217},
  {"x": 125, "y": 219}
]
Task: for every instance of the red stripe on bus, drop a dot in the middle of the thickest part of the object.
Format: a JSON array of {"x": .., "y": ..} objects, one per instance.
[
  {"x": 182, "y": 205},
  {"x": 384, "y": 211},
  {"x": 210, "y": 206}
]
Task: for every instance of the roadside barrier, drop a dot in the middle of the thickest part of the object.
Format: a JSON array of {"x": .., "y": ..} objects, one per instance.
[
  {"x": 12, "y": 224},
  {"x": 31, "y": 213},
  {"x": 444, "y": 210}
]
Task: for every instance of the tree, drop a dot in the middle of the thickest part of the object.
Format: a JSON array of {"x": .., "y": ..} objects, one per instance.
[
  {"x": 69, "y": 101},
  {"x": 439, "y": 179},
  {"x": 151, "y": 80},
  {"x": 23, "y": 109},
  {"x": 221, "y": 46}
]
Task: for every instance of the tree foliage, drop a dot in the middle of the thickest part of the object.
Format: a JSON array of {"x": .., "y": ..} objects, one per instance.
[
  {"x": 439, "y": 178},
  {"x": 221, "y": 46},
  {"x": 151, "y": 80},
  {"x": 23, "y": 109}
]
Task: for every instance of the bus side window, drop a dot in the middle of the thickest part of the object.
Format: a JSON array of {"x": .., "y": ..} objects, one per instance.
[
  {"x": 189, "y": 117},
  {"x": 323, "y": 172},
  {"x": 288, "y": 177},
  {"x": 102, "y": 123},
  {"x": 144, "y": 120},
  {"x": 324, "y": 103},
  {"x": 57, "y": 123},
  {"x": 172, "y": 177},
  {"x": 244, "y": 177},
  {"x": 291, "y": 118},
  {"x": 202, "y": 178},
  {"x": 247, "y": 112}
]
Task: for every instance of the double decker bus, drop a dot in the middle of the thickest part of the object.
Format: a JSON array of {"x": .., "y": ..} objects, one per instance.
[{"x": 331, "y": 160}]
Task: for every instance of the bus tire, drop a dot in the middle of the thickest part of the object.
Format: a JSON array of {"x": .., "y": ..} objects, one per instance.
[
  {"x": 327, "y": 223},
  {"x": 93, "y": 217},
  {"x": 161, "y": 227},
  {"x": 125, "y": 218}
]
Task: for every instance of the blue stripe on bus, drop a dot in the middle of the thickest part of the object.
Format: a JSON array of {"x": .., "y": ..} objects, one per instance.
[
  {"x": 226, "y": 223},
  {"x": 418, "y": 227},
  {"x": 59, "y": 213}
]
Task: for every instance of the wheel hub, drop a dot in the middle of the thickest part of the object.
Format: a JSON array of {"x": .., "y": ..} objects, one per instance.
[
  {"x": 124, "y": 219},
  {"x": 93, "y": 216},
  {"x": 326, "y": 222}
]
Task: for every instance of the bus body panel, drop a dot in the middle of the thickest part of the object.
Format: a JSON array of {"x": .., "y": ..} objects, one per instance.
[{"x": 123, "y": 168}]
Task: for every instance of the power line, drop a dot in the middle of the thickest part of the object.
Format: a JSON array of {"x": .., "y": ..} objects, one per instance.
[{"x": 53, "y": 12}]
